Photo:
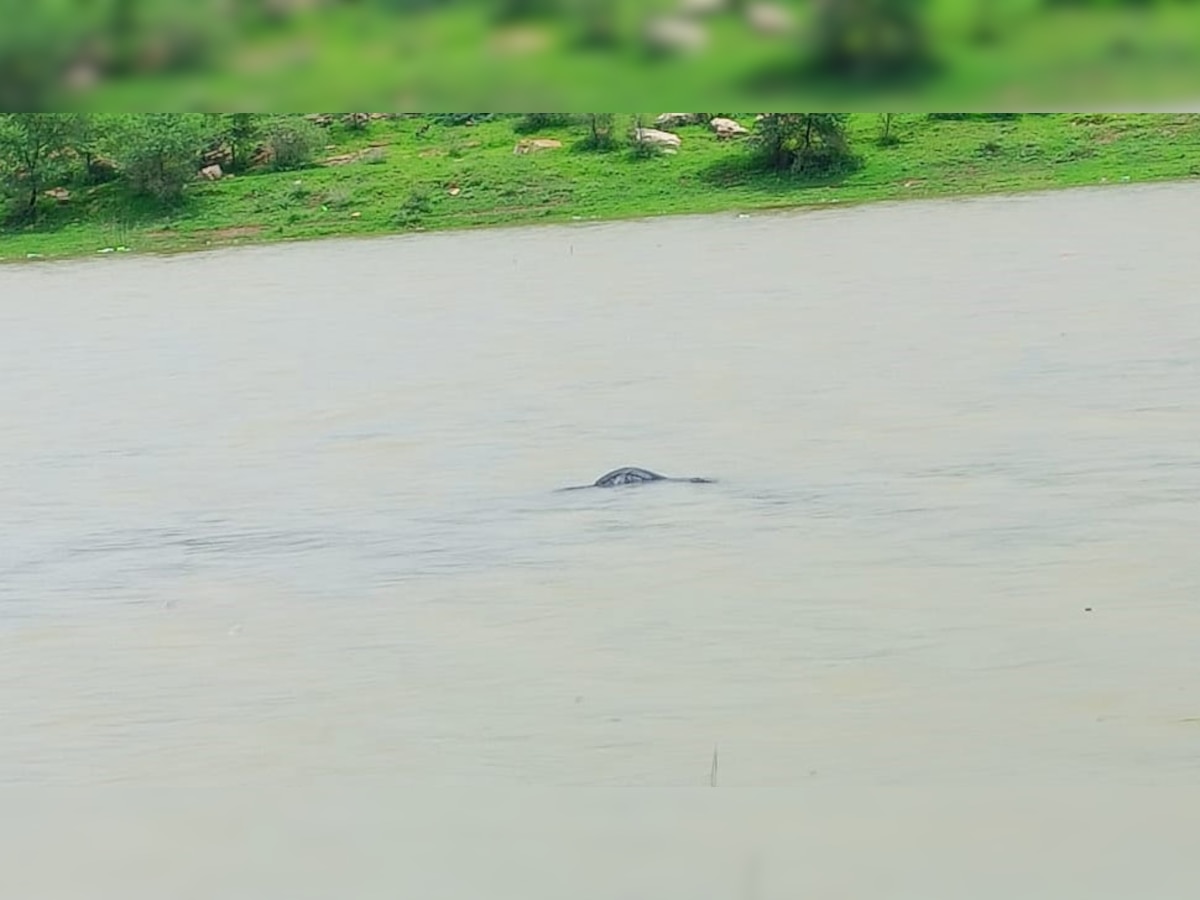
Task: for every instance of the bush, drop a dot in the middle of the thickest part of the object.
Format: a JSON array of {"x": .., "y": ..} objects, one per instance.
[
  {"x": 338, "y": 198},
  {"x": 600, "y": 133},
  {"x": 644, "y": 149},
  {"x": 639, "y": 148},
  {"x": 159, "y": 153},
  {"x": 460, "y": 118},
  {"x": 887, "y": 134},
  {"x": 293, "y": 142},
  {"x": 531, "y": 123},
  {"x": 298, "y": 192},
  {"x": 809, "y": 144},
  {"x": 415, "y": 208}
]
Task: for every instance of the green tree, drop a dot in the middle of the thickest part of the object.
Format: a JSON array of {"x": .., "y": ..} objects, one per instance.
[
  {"x": 242, "y": 132},
  {"x": 34, "y": 153},
  {"x": 93, "y": 135},
  {"x": 805, "y": 143},
  {"x": 159, "y": 153}
]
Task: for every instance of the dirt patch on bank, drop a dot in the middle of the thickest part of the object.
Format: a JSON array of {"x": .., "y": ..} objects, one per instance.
[{"x": 214, "y": 234}]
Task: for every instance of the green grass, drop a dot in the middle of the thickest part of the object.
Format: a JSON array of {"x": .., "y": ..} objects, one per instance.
[{"x": 449, "y": 177}]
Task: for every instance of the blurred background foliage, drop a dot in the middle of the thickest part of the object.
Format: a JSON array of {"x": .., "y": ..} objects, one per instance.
[{"x": 259, "y": 55}]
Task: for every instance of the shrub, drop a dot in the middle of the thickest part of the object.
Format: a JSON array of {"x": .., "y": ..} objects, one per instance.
[
  {"x": 460, "y": 118},
  {"x": 600, "y": 133},
  {"x": 644, "y": 149},
  {"x": 338, "y": 198},
  {"x": 298, "y": 192},
  {"x": 415, "y": 208},
  {"x": 639, "y": 148},
  {"x": 887, "y": 134},
  {"x": 531, "y": 123},
  {"x": 293, "y": 142},
  {"x": 810, "y": 144}
]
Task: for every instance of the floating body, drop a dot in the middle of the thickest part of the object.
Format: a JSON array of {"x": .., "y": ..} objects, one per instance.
[{"x": 633, "y": 475}]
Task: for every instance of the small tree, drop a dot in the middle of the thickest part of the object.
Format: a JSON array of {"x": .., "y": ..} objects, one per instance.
[
  {"x": 242, "y": 131},
  {"x": 805, "y": 143},
  {"x": 159, "y": 153},
  {"x": 886, "y": 137},
  {"x": 600, "y": 128},
  {"x": 33, "y": 154},
  {"x": 90, "y": 144}
]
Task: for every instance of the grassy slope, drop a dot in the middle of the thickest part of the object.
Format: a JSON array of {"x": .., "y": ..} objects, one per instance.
[{"x": 934, "y": 158}]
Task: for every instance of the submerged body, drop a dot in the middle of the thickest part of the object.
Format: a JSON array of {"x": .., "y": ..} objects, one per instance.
[{"x": 633, "y": 475}]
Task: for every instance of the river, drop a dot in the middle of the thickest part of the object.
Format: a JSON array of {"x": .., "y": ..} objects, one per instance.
[{"x": 289, "y": 601}]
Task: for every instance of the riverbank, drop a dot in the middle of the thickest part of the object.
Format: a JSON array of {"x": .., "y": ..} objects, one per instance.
[{"x": 419, "y": 174}]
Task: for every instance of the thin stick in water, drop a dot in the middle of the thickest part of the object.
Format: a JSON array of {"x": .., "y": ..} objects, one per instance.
[{"x": 712, "y": 777}]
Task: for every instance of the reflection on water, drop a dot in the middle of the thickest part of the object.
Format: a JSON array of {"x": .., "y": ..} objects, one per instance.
[{"x": 282, "y": 515}]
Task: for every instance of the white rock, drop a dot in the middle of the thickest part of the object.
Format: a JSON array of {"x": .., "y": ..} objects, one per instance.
[
  {"x": 667, "y": 121},
  {"x": 658, "y": 138},
  {"x": 727, "y": 128}
]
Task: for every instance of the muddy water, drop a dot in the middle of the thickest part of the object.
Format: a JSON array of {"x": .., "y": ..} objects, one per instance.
[{"x": 282, "y": 552}]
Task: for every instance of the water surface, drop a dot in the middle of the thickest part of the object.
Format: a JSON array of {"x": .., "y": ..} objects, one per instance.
[{"x": 282, "y": 519}]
